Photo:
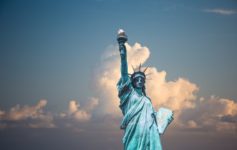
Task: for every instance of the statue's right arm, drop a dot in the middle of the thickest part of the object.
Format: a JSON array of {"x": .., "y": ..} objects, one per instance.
[{"x": 124, "y": 65}]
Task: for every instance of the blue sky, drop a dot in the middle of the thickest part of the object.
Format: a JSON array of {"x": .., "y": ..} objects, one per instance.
[{"x": 52, "y": 49}]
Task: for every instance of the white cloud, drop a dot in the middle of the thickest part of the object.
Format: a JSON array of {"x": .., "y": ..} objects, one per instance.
[
  {"x": 73, "y": 107},
  {"x": 19, "y": 113},
  {"x": 76, "y": 112},
  {"x": 208, "y": 114},
  {"x": 177, "y": 95},
  {"x": 221, "y": 11},
  {"x": 35, "y": 115},
  {"x": 81, "y": 114}
]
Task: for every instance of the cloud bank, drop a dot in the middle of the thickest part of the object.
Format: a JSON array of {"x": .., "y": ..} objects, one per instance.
[
  {"x": 191, "y": 113},
  {"x": 27, "y": 116},
  {"x": 36, "y": 117}
]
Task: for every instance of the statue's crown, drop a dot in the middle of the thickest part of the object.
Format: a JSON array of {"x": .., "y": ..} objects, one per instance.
[{"x": 138, "y": 73}]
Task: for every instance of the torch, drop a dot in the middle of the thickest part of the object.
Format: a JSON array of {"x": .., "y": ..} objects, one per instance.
[{"x": 121, "y": 37}]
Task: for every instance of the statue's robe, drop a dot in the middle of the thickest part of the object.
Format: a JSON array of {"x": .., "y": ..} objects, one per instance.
[{"x": 139, "y": 123}]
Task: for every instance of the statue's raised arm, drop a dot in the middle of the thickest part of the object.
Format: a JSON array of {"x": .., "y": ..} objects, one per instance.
[{"x": 122, "y": 38}]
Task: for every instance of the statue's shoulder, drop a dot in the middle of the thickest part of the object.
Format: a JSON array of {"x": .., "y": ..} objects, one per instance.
[
  {"x": 124, "y": 87},
  {"x": 124, "y": 83}
]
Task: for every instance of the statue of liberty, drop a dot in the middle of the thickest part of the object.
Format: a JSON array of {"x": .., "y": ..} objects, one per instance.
[{"x": 142, "y": 125}]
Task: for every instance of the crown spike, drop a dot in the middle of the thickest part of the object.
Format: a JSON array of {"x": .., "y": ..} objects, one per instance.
[
  {"x": 133, "y": 68},
  {"x": 140, "y": 66},
  {"x": 145, "y": 69}
]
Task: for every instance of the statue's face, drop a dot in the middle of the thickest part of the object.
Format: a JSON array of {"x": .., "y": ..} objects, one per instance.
[{"x": 139, "y": 82}]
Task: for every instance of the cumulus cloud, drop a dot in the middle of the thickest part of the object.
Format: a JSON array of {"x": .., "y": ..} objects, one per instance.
[
  {"x": 32, "y": 116},
  {"x": 20, "y": 113},
  {"x": 221, "y": 11},
  {"x": 35, "y": 116},
  {"x": 212, "y": 113},
  {"x": 178, "y": 95},
  {"x": 78, "y": 113}
]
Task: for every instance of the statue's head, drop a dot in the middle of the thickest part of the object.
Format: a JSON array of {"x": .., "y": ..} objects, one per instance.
[{"x": 138, "y": 79}]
